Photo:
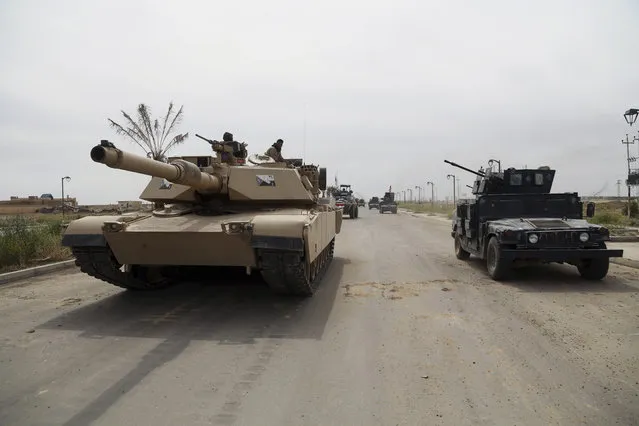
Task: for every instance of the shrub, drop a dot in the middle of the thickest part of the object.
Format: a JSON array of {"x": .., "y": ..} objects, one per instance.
[{"x": 24, "y": 241}]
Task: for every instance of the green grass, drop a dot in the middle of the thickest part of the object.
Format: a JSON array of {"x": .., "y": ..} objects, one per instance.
[
  {"x": 27, "y": 241},
  {"x": 614, "y": 214}
]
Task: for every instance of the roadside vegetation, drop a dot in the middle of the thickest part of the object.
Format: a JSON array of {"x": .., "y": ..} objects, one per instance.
[
  {"x": 614, "y": 214},
  {"x": 429, "y": 208},
  {"x": 30, "y": 240}
]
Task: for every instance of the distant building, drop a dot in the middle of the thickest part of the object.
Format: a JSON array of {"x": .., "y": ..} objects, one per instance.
[
  {"x": 33, "y": 204},
  {"x": 127, "y": 206}
]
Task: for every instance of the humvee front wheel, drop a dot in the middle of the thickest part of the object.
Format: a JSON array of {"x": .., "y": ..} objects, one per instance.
[
  {"x": 594, "y": 269},
  {"x": 497, "y": 267},
  {"x": 460, "y": 253}
]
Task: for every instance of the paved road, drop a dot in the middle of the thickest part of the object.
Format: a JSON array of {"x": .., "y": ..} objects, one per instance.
[{"x": 401, "y": 333}]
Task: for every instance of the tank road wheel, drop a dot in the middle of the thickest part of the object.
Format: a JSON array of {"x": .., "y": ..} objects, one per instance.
[
  {"x": 460, "y": 253},
  {"x": 497, "y": 268},
  {"x": 100, "y": 263},
  {"x": 288, "y": 273},
  {"x": 594, "y": 269},
  {"x": 356, "y": 212}
]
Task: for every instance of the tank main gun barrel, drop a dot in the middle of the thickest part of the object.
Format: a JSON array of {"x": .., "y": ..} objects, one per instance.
[
  {"x": 179, "y": 171},
  {"x": 465, "y": 168}
]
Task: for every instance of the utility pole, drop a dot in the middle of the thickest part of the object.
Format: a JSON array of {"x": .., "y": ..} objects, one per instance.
[
  {"x": 454, "y": 186},
  {"x": 628, "y": 142},
  {"x": 432, "y": 192},
  {"x": 630, "y": 116},
  {"x": 411, "y": 194},
  {"x": 419, "y": 192},
  {"x": 404, "y": 195},
  {"x": 67, "y": 178}
]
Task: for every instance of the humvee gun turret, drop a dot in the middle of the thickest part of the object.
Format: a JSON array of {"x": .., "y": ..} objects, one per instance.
[
  {"x": 515, "y": 219},
  {"x": 218, "y": 212}
]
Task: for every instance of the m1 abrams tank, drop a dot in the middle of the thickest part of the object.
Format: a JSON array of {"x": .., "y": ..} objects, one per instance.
[{"x": 218, "y": 211}]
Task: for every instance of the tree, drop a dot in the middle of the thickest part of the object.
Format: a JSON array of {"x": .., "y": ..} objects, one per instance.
[{"x": 151, "y": 135}]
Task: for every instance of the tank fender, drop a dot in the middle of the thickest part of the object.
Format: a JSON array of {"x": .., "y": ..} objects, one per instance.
[
  {"x": 278, "y": 232},
  {"x": 338, "y": 221},
  {"x": 87, "y": 231}
]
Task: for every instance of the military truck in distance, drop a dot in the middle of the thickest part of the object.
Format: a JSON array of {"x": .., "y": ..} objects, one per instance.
[
  {"x": 361, "y": 202},
  {"x": 373, "y": 203},
  {"x": 515, "y": 219},
  {"x": 344, "y": 200},
  {"x": 388, "y": 204},
  {"x": 218, "y": 212}
]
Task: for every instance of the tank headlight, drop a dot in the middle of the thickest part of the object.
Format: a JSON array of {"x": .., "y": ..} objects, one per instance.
[
  {"x": 533, "y": 238},
  {"x": 583, "y": 237}
]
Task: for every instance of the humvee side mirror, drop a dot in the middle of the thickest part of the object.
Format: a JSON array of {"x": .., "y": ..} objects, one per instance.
[{"x": 590, "y": 209}]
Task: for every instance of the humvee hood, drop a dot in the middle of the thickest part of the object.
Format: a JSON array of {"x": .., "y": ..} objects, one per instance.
[{"x": 543, "y": 223}]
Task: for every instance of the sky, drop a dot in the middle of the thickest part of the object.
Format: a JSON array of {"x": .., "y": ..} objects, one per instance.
[{"x": 378, "y": 92}]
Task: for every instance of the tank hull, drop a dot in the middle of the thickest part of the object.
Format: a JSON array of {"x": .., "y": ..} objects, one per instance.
[{"x": 272, "y": 242}]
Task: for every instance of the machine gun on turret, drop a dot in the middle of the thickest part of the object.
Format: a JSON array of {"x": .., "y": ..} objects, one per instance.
[
  {"x": 228, "y": 151},
  {"x": 511, "y": 180}
]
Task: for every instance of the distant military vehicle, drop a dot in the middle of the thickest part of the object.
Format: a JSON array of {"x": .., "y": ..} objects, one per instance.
[
  {"x": 387, "y": 203},
  {"x": 218, "y": 211},
  {"x": 515, "y": 219},
  {"x": 344, "y": 199},
  {"x": 373, "y": 203},
  {"x": 361, "y": 202}
]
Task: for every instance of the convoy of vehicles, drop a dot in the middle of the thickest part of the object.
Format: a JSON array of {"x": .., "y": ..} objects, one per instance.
[{"x": 269, "y": 217}]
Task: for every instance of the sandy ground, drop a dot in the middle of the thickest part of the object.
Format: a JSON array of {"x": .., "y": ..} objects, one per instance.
[{"x": 401, "y": 333}]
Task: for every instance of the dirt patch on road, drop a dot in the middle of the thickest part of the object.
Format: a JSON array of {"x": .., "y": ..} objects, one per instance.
[{"x": 394, "y": 290}]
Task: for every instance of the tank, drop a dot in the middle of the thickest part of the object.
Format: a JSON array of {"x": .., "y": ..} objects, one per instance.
[{"x": 226, "y": 210}]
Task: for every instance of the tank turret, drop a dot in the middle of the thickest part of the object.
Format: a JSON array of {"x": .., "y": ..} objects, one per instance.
[
  {"x": 224, "y": 181},
  {"x": 511, "y": 180}
]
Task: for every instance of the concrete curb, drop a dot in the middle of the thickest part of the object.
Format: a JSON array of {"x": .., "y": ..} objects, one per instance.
[
  {"x": 624, "y": 239},
  {"x": 630, "y": 263},
  {"x": 35, "y": 271}
]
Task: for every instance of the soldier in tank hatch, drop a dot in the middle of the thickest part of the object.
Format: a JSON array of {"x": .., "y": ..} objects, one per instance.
[{"x": 275, "y": 151}]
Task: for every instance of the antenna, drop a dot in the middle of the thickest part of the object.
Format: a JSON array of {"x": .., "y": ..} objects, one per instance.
[{"x": 304, "y": 135}]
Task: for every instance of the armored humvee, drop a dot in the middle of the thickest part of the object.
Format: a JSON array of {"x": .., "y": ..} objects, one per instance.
[
  {"x": 344, "y": 199},
  {"x": 387, "y": 203},
  {"x": 218, "y": 211},
  {"x": 515, "y": 219},
  {"x": 373, "y": 203}
]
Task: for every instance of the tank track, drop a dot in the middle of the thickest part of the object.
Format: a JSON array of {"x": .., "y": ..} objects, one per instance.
[
  {"x": 287, "y": 273},
  {"x": 100, "y": 263}
]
